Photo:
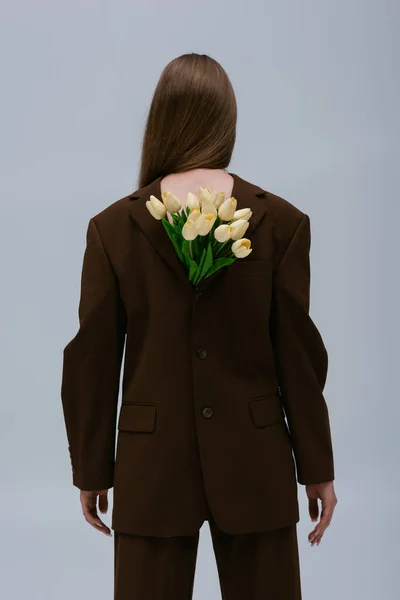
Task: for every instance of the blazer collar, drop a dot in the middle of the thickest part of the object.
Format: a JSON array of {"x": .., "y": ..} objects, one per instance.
[{"x": 248, "y": 195}]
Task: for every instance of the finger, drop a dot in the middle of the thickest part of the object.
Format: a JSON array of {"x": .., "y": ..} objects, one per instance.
[
  {"x": 326, "y": 517},
  {"x": 102, "y": 528},
  {"x": 313, "y": 508},
  {"x": 92, "y": 518},
  {"x": 103, "y": 503},
  {"x": 317, "y": 540},
  {"x": 98, "y": 525}
]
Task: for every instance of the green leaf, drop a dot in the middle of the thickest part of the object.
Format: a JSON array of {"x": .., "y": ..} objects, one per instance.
[
  {"x": 222, "y": 247},
  {"x": 184, "y": 215},
  {"x": 192, "y": 268},
  {"x": 169, "y": 227},
  {"x": 186, "y": 250},
  {"x": 175, "y": 238},
  {"x": 219, "y": 263},
  {"x": 208, "y": 261},
  {"x": 200, "y": 265},
  {"x": 177, "y": 222}
]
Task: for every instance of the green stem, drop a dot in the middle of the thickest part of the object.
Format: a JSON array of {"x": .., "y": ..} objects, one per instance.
[{"x": 221, "y": 248}]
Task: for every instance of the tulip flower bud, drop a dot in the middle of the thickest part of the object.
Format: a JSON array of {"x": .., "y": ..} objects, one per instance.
[
  {"x": 172, "y": 203},
  {"x": 243, "y": 213},
  {"x": 189, "y": 230},
  {"x": 241, "y": 248},
  {"x": 192, "y": 201},
  {"x": 238, "y": 228},
  {"x": 213, "y": 195},
  {"x": 205, "y": 194},
  {"x": 156, "y": 208},
  {"x": 194, "y": 214},
  {"x": 204, "y": 223},
  {"x": 227, "y": 209},
  {"x": 222, "y": 233},
  {"x": 207, "y": 202},
  {"x": 219, "y": 198}
]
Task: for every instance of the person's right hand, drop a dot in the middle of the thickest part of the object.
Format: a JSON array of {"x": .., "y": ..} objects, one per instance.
[
  {"x": 326, "y": 493},
  {"x": 89, "y": 509}
]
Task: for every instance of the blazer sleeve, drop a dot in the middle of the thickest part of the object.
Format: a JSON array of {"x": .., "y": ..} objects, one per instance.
[
  {"x": 301, "y": 360},
  {"x": 91, "y": 370}
]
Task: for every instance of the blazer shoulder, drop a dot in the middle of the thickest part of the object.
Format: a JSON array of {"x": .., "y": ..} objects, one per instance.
[
  {"x": 112, "y": 223},
  {"x": 113, "y": 220},
  {"x": 112, "y": 213},
  {"x": 284, "y": 218},
  {"x": 282, "y": 213}
]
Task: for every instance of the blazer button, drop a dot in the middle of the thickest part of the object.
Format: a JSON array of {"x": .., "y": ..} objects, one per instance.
[
  {"x": 201, "y": 353},
  {"x": 207, "y": 412}
]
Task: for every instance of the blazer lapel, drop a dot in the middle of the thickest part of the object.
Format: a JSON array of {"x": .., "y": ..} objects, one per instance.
[
  {"x": 154, "y": 229},
  {"x": 248, "y": 195}
]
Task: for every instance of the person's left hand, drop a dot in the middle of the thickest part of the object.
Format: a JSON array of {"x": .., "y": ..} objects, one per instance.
[
  {"x": 326, "y": 493},
  {"x": 89, "y": 509}
]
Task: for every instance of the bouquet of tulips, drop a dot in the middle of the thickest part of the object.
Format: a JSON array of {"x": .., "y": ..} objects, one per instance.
[{"x": 207, "y": 233}]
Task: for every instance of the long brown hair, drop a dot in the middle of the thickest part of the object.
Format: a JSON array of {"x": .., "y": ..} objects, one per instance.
[{"x": 191, "y": 121}]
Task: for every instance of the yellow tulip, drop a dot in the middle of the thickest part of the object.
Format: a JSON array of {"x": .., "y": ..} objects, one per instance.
[
  {"x": 172, "y": 203},
  {"x": 156, "y": 208},
  {"x": 238, "y": 228},
  {"x": 227, "y": 209},
  {"x": 241, "y": 248},
  {"x": 189, "y": 230},
  {"x": 204, "y": 223},
  {"x": 223, "y": 233}
]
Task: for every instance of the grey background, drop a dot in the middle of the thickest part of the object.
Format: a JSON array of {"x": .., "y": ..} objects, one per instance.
[{"x": 317, "y": 87}]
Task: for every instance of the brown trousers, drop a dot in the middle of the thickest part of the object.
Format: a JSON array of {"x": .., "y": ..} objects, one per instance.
[{"x": 251, "y": 566}]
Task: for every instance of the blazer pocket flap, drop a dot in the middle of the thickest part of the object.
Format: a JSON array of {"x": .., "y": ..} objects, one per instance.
[
  {"x": 137, "y": 417},
  {"x": 266, "y": 410}
]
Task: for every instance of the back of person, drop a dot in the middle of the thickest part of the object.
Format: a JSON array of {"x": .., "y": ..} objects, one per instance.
[{"x": 222, "y": 408}]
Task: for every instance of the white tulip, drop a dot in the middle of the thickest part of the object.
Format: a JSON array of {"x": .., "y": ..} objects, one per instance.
[
  {"x": 189, "y": 230},
  {"x": 156, "y": 208},
  {"x": 213, "y": 196},
  {"x": 206, "y": 194},
  {"x": 223, "y": 233},
  {"x": 241, "y": 248},
  {"x": 207, "y": 201},
  {"x": 239, "y": 228},
  {"x": 243, "y": 213},
  {"x": 219, "y": 198},
  {"x": 194, "y": 214},
  {"x": 227, "y": 209},
  {"x": 172, "y": 203},
  {"x": 192, "y": 201},
  {"x": 204, "y": 223}
]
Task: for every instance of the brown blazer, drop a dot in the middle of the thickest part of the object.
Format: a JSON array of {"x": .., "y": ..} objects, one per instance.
[{"x": 210, "y": 375}]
